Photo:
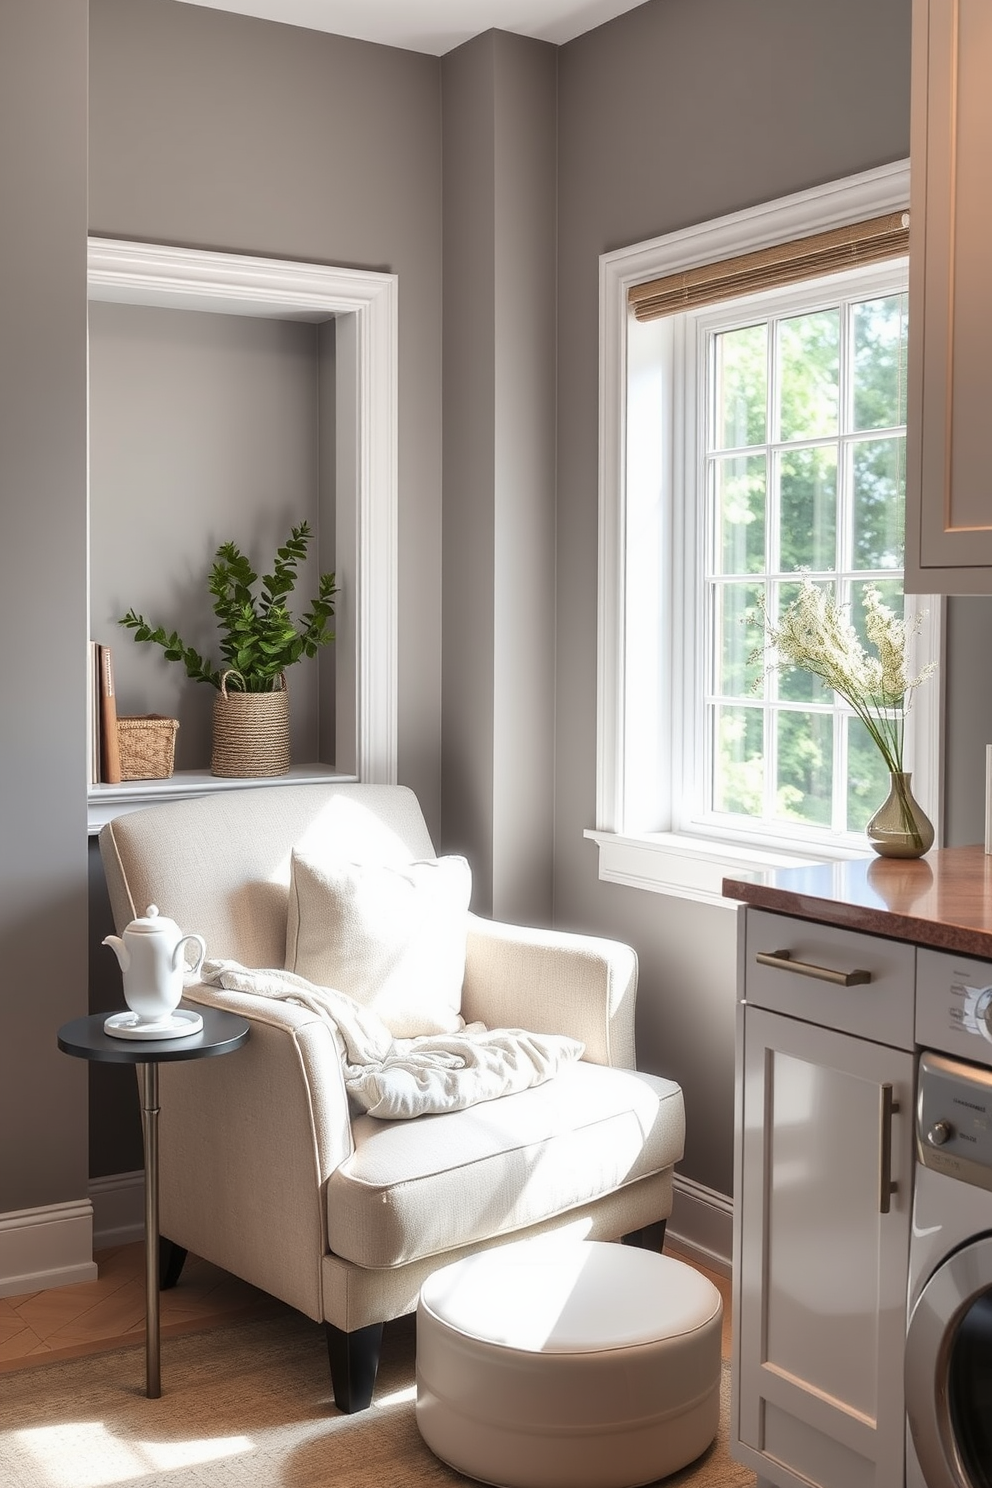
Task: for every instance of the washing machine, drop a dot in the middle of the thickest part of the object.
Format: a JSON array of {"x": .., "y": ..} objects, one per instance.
[{"x": 948, "y": 1361}]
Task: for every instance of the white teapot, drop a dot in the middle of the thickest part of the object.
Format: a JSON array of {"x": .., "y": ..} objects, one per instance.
[{"x": 153, "y": 960}]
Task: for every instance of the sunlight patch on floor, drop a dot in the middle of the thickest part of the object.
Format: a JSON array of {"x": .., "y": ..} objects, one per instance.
[
  {"x": 84, "y": 1454},
  {"x": 166, "y": 1455},
  {"x": 397, "y": 1397}
]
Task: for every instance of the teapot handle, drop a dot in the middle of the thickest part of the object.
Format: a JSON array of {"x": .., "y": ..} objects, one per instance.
[{"x": 178, "y": 959}]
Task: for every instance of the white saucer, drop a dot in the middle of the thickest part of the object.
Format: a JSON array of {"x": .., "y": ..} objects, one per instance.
[{"x": 180, "y": 1024}]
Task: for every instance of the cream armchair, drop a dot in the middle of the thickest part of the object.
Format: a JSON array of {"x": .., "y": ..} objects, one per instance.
[{"x": 267, "y": 1171}]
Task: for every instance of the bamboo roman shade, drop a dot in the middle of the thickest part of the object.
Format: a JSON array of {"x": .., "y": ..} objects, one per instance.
[{"x": 767, "y": 268}]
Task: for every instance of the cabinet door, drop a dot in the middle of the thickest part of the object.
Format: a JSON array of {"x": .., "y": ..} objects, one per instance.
[
  {"x": 948, "y": 497},
  {"x": 821, "y": 1269}
]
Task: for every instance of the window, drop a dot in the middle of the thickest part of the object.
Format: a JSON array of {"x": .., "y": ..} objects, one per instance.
[{"x": 744, "y": 442}]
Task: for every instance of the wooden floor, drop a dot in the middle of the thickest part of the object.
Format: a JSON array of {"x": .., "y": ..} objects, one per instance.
[{"x": 66, "y": 1322}]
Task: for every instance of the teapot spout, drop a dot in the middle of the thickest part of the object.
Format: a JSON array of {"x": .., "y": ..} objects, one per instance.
[{"x": 119, "y": 949}]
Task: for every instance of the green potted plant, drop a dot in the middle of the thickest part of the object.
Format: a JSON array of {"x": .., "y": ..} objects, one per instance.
[{"x": 259, "y": 640}]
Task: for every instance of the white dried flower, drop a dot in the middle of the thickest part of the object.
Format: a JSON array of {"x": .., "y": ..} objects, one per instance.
[{"x": 814, "y": 633}]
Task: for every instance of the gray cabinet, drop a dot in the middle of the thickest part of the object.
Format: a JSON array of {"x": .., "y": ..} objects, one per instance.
[
  {"x": 823, "y": 1191},
  {"x": 948, "y": 492}
]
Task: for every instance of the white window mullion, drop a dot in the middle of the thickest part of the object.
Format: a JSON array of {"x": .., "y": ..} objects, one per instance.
[
  {"x": 691, "y": 592},
  {"x": 773, "y": 547},
  {"x": 844, "y": 540}
]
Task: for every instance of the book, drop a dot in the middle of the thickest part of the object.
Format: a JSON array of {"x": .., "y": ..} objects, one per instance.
[{"x": 110, "y": 755}]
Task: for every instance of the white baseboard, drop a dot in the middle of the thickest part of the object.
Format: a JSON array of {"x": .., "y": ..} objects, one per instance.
[
  {"x": 51, "y": 1246},
  {"x": 118, "y": 1209},
  {"x": 702, "y": 1224}
]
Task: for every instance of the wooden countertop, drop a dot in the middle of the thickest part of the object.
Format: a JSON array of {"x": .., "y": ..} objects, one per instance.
[{"x": 942, "y": 900}]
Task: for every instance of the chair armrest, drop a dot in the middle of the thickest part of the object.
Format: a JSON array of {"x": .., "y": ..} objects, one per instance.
[
  {"x": 248, "y": 1142},
  {"x": 553, "y": 981},
  {"x": 310, "y": 1075}
]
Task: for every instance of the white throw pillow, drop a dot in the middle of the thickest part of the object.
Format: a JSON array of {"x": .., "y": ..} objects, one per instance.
[{"x": 390, "y": 936}]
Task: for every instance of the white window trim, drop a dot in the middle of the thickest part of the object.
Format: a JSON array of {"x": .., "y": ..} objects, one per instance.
[{"x": 670, "y": 862}]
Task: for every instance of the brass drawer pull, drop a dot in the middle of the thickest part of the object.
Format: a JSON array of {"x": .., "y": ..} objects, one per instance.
[{"x": 783, "y": 961}]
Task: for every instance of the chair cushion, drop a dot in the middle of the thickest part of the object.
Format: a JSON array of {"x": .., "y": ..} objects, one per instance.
[
  {"x": 413, "y": 1189},
  {"x": 391, "y": 936}
]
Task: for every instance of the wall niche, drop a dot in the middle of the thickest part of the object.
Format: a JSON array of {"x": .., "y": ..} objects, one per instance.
[{"x": 231, "y": 397}]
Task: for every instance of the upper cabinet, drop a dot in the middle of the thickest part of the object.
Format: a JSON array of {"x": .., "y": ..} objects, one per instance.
[{"x": 949, "y": 473}]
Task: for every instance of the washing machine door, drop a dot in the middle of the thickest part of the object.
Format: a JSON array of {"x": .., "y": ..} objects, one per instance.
[{"x": 949, "y": 1371}]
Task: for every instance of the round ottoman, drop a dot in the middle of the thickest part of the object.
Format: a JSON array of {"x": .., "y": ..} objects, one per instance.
[{"x": 578, "y": 1364}]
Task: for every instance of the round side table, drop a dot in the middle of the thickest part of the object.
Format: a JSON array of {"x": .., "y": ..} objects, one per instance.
[{"x": 221, "y": 1033}]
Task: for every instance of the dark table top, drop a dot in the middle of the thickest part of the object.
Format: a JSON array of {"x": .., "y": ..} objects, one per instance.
[{"x": 221, "y": 1034}]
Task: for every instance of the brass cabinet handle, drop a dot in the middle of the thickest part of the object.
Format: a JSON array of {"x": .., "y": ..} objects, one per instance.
[
  {"x": 887, "y": 1108},
  {"x": 784, "y": 962}
]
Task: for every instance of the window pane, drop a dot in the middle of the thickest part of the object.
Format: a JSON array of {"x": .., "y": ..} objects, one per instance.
[
  {"x": 808, "y": 524},
  {"x": 804, "y": 785},
  {"x": 741, "y": 636},
  {"x": 880, "y": 330},
  {"x": 802, "y": 432},
  {"x": 867, "y": 776},
  {"x": 741, "y": 366},
  {"x": 879, "y": 502},
  {"x": 809, "y": 370},
  {"x": 740, "y": 506},
  {"x": 739, "y": 764}
]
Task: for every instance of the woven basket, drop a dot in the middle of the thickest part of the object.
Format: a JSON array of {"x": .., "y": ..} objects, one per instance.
[
  {"x": 251, "y": 732},
  {"x": 147, "y": 745}
]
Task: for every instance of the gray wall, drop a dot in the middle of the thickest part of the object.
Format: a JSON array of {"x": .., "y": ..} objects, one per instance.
[
  {"x": 223, "y": 132},
  {"x": 42, "y": 598},
  {"x": 218, "y": 131},
  {"x": 499, "y": 150},
  {"x": 677, "y": 112},
  {"x": 203, "y": 429}
]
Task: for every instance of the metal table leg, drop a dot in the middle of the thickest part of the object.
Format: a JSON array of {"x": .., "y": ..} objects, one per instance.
[{"x": 149, "y": 1116}]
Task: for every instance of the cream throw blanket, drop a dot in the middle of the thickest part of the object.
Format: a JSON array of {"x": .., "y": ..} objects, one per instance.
[{"x": 395, "y": 1079}]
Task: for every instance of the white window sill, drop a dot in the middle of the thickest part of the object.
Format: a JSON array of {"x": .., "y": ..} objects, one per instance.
[{"x": 690, "y": 867}]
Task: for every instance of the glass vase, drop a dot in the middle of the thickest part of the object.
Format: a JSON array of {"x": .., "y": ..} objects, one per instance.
[{"x": 900, "y": 827}]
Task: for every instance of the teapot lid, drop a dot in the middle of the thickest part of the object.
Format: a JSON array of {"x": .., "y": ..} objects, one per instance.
[{"x": 151, "y": 923}]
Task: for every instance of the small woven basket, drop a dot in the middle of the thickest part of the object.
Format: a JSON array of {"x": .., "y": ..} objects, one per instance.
[
  {"x": 251, "y": 732},
  {"x": 147, "y": 745}
]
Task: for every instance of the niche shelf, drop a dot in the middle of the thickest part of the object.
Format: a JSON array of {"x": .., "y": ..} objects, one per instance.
[{"x": 358, "y": 740}]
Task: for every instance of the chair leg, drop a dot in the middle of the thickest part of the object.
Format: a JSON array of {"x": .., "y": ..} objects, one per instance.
[
  {"x": 354, "y": 1359},
  {"x": 651, "y": 1237},
  {"x": 171, "y": 1259}
]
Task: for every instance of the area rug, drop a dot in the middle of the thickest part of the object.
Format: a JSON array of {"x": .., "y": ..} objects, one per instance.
[{"x": 245, "y": 1406}]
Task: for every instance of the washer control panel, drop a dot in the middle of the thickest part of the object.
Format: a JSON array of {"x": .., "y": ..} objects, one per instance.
[
  {"x": 954, "y": 1005},
  {"x": 954, "y": 1119}
]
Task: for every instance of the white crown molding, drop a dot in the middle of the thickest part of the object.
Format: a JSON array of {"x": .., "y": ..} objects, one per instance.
[
  {"x": 50, "y": 1246},
  {"x": 834, "y": 204},
  {"x": 235, "y": 284},
  {"x": 228, "y": 283}
]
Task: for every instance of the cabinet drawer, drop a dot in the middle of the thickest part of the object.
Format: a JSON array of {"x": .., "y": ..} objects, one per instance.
[{"x": 878, "y": 1005}]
